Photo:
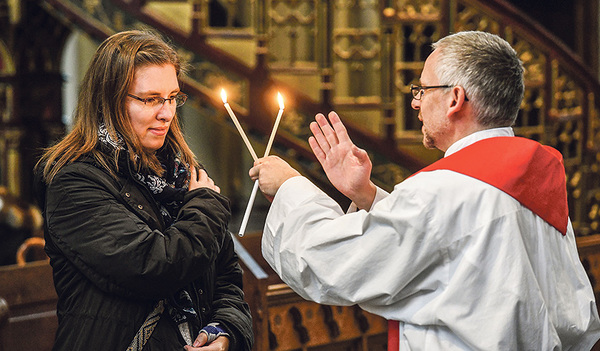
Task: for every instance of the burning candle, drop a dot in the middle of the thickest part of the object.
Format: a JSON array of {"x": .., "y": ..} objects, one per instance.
[
  {"x": 237, "y": 124},
  {"x": 276, "y": 125}
]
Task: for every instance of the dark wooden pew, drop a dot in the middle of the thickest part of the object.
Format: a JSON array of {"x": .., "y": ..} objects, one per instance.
[
  {"x": 3, "y": 317},
  {"x": 31, "y": 320}
]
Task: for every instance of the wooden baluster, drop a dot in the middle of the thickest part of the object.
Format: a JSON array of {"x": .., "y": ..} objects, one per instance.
[
  {"x": 361, "y": 320},
  {"x": 332, "y": 326},
  {"x": 298, "y": 327},
  {"x": 273, "y": 344}
]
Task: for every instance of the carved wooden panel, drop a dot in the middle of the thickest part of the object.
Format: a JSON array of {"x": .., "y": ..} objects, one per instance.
[
  {"x": 293, "y": 38},
  {"x": 298, "y": 324},
  {"x": 283, "y": 321}
]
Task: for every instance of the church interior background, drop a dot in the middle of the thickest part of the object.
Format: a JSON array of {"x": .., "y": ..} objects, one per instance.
[{"x": 357, "y": 57}]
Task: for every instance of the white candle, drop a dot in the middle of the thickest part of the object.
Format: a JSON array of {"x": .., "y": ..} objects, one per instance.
[
  {"x": 237, "y": 124},
  {"x": 267, "y": 150},
  {"x": 276, "y": 125},
  {"x": 248, "y": 209}
]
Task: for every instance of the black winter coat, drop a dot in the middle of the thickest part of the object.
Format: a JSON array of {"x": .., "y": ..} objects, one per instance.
[{"x": 113, "y": 259}]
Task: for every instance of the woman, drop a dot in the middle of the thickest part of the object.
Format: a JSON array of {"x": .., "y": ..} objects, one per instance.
[{"x": 137, "y": 237}]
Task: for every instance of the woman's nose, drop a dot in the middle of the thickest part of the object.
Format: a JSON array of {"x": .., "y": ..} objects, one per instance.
[{"x": 166, "y": 111}]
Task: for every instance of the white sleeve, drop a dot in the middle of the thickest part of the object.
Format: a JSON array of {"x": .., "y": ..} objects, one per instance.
[{"x": 367, "y": 258}]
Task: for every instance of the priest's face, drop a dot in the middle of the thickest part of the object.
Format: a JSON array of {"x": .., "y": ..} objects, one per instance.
[{"x": 431, "y": 107}]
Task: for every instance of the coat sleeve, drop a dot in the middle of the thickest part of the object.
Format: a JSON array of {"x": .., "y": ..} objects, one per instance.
[
  {"x": 230, "y": 309},
  {"x": 118, "y": 251}
]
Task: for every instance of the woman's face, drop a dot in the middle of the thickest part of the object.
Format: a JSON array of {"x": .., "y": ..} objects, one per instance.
[{"x": 150, "y": 121}]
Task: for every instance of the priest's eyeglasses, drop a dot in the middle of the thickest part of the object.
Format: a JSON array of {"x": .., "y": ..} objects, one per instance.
[
  {"x": 156, "y": 101},
  {"x": 418, "y": 90}
]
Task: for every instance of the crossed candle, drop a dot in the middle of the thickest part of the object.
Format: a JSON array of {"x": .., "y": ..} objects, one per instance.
[{"x": 251, "y": 149}]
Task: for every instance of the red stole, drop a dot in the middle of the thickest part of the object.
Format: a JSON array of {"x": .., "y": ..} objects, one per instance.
[{"x": 531, "y": 173}]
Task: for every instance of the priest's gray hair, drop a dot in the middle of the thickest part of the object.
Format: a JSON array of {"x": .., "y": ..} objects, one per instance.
[{"x": 489, "y": 70}]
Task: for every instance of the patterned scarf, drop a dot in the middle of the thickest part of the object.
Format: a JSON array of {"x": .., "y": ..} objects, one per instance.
[{"x": 168, "y": 193}]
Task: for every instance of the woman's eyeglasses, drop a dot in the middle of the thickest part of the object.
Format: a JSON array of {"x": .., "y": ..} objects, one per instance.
[{"x": 156, "y": 101}]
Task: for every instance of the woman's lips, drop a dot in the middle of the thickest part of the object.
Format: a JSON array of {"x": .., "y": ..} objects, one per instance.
[{"x": 159, "y": 131}]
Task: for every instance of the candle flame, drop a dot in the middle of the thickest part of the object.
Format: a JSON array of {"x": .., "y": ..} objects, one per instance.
[
  {"x": 280, "y": 100},
  {"x": 223, "y": 96}
]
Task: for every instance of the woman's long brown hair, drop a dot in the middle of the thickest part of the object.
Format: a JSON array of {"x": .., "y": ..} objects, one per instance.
[{"x": 102, "y": 100}]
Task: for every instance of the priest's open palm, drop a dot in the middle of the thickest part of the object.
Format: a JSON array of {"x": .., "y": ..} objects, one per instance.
[{"x": 347, "y": 167}]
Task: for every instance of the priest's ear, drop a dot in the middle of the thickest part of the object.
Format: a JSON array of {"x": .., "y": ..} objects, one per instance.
[{"x": 458, "y": 99}]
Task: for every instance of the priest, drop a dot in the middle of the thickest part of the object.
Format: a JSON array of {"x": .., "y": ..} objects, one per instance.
[{"x": 474, "y": 252}]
